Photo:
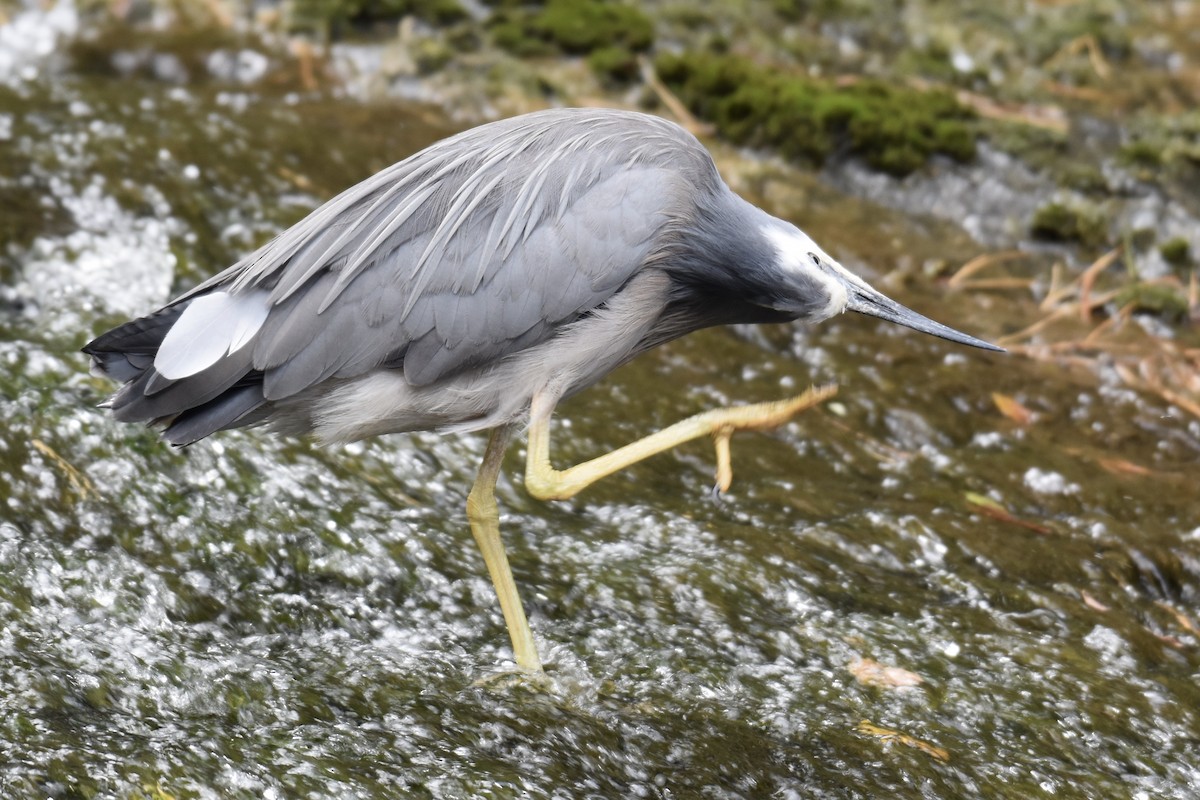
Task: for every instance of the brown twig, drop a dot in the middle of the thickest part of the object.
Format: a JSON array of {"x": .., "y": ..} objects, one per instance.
[
  {"x": 673, "y": 103},
  {"x": 1088, "y": 279},
  {"x": 979, "y": 263},
  {"x": 1086, "y": 43},
  {"x": 79, "y": 482}
]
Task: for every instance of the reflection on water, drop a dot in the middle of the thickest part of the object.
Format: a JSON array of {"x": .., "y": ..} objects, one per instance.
[{"x": 260, "y": 618}]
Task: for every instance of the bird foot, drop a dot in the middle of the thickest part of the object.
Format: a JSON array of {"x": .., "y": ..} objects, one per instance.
[
  {"x": 508, "y": 679},
  {"x": 546, "y": 483},
  {"x": 758, "y": 417}
]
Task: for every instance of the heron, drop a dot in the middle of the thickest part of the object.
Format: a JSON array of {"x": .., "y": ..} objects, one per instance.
[{"x": 475, "y": 285}]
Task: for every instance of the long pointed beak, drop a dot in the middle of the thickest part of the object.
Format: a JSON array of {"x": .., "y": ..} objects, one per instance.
[{"x": 866, "y": 300}]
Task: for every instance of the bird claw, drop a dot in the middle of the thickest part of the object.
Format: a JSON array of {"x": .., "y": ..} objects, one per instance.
[{"x": 724, "y": 475}]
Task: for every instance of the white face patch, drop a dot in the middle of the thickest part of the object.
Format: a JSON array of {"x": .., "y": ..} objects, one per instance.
[{"x": 798, "y": 254}]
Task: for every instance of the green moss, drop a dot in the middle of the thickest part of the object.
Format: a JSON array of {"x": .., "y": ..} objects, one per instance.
[
  {"x": 1176, "y": 252},
  {"x": 616, "y": 65},
  {"x": 1083, "y": 177},
  {"x": 329, "y": 12},
  {"x": 798, "y": 10},
  {"x": 1059, "y": 222},
  {"x": 581, "y": 26},
  {"x": 1139, "y": 240},
  {"x": 1165, "y": 148},
  {"x": 577, "y": 27},
  {"x": 894, "y": 129},
  {"x": 688, "y": 17},
  {"x": 1053, "y": 222},
  {"x": 1141, "y": 153},
  {"x": 1154, "y": 298},
  {"x": 511, "y": 32},
  {"x": 1041, "y": 148}
]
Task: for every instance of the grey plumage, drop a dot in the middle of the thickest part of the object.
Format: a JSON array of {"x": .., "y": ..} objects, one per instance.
[
  {"x": 473, "y": 286},
  {"x": 540, "y": 251}
]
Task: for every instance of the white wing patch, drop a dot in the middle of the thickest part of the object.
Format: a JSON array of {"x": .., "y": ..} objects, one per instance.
[{"x": 210, "y": 328}]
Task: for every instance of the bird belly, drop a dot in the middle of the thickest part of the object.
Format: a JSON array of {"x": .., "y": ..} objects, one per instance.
[{"x": 579, "y": 354}]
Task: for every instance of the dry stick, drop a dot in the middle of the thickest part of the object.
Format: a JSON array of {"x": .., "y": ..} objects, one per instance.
[
  {"x": 1175, "y": 398},
  {"x": 1088, "y": 278},
  {"x": 1058, "y": 290},
  {"x": 981, "y": 262},
  {"x": 80, "y": 482},
  {"x": 1184, "y": 373},
  {"x": 1028, "y": 332},
  {"x": 306, "y": 61},
  {"x": 1090, "y": 46},
  {"x": 1097, "y": 331},
  {"x": 219, "y": 12},
  {"x": 1154, "y": 386},
  {"x": 673, "y": 103},
  {"x": 997, "y": 283},
  {"x": 1049, "y": 117}
]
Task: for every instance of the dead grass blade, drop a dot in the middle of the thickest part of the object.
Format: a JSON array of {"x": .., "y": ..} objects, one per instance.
[
  {"x": 962, "y": 278},
  {"x": 869, "y": 728},
  {"x": 1011, "y": 408}
]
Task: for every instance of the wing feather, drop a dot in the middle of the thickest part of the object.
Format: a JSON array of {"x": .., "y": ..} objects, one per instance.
[{"x": 472, "y": 249}]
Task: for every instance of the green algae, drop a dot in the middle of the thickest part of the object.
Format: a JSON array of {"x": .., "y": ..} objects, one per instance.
[
  {"x": 1141, "y": 153},
  {"x": 1065, "y": 222},
  {"x": 610, "y": 35},
  {"x": 1154, "y": 298},
  {"x": 896, "y": 130},
  {"x": 326, "y": 14},
  {"x": 614, "y": 64},
  {"x": 1166, "y": 147},
  {"x": 1176, "y": 252}
]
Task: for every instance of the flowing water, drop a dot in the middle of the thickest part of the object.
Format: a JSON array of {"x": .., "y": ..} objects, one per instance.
[{"x": 906, "y": 594}]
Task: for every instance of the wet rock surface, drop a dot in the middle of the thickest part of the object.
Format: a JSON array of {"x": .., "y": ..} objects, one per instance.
[{"x": 1005, "y": 592}]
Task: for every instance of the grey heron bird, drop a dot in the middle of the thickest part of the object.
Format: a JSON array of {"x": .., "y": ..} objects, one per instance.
[{"x": 473, "y": 286}]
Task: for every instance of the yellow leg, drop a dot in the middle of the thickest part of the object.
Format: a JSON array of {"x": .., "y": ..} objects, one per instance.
[
  {"x": 547, "y": 483},
  {"x": 485, "y": 525}
]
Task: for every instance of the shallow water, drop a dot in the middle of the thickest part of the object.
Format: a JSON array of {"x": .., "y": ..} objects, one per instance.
[{"x": 255, "y": 617}]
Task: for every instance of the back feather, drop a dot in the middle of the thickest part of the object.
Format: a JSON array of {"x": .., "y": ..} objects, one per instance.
[{"x": 479, "y": 246}]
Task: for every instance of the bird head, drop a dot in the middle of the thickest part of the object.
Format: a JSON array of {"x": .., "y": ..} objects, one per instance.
[{"x": 813, "y": 272}]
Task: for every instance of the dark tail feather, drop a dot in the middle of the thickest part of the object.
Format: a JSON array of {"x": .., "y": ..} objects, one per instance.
[
  {"x": 136, "y": 337},
  {"x": 226, "y": 411},
  {"x": 127, "y": 351},
  {"x": 149, "y": 397},
  {"x": 226, "y": 395},
  {"x": 120, "y": 366}
]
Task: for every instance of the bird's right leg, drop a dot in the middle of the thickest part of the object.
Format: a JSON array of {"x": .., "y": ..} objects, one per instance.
[
  {"x": 485, "y": 525},
  {"x": 547, "y": 483}
]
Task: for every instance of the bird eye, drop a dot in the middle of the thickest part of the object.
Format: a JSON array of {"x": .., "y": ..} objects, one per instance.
[{"x": 816, "y": 259}]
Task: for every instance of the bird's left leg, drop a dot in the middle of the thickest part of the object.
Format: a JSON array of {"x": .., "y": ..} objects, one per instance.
[
  {"x": 547, "y": 483},
  {"x": 485, "y": 525}
]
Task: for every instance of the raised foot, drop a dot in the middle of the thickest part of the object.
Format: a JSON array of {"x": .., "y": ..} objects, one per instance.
[
  {"x": 758, "y": 417},
  {"x": 547, "y": 483}
]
